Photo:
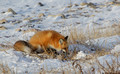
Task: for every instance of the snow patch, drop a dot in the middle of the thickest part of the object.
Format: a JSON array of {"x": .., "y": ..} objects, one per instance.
[
  {"x": 106, "y": 42},
  {"x": 80, "y": 55},
  {"x": 116, "y": 49}
]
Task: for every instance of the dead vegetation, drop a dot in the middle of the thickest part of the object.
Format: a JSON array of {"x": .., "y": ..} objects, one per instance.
[
  {"x": 87, "y": 37},
  {"x": 97, "y": 67},
  {"x": 80, "y": 37},
  {"x": 4, "y": 69},
  {"x": 78, "y": 67},
  {"x": 110, "y": 69}
]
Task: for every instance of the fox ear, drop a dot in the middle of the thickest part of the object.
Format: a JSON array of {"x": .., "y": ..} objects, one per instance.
[
  {"x": 66, "y": 37},
  {"x": 61, "y": 41}
]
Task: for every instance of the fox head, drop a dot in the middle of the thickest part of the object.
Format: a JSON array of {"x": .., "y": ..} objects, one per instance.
[{"x": 63, "y": 44}]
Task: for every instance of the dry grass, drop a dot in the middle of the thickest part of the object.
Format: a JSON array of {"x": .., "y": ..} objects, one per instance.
[
  {"x": 78, "y": 68},
  {"x": 87, "y": 36},
  {"x": 4, "y": 69},
  {"x": 77, "y": 37},
  {"x": 80, "y": 36},
  {"x": 110, "y": 68},
  {"x": 99, "y": 53},
  {"x": 105, "y": 68}
]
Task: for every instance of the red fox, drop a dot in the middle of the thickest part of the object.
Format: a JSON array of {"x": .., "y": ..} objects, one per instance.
[{"x": 43, "y": 40}]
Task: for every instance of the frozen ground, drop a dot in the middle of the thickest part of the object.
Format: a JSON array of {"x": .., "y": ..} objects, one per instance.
[{"x": 59, "y": 15}]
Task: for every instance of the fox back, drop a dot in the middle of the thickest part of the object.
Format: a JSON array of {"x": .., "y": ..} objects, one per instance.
[{"x": 49, "y": 39}]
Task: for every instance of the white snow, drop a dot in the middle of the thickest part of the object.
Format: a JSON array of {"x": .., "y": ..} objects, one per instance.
[
  {"x": 80, "y": 17},
  {"x": 106, "y": 42},
  {"x": 79, "y": 55},
  {"x": 116, "y": 49}
]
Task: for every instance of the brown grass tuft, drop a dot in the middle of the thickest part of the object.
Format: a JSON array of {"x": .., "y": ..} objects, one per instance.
[
  {"x": 4, "y": 69},
  {"x": 84, "y": 37},
  {"x": 111, "y": 68},
  {"x": 81, "y": 36}
]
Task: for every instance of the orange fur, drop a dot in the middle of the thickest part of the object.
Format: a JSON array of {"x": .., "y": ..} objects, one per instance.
[
  {"x": 43, "y": 40},
  {"x": 48, "y": 38}
]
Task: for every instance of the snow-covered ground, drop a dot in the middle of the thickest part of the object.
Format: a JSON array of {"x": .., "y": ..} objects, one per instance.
[{"x": 58, "y": 15}]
